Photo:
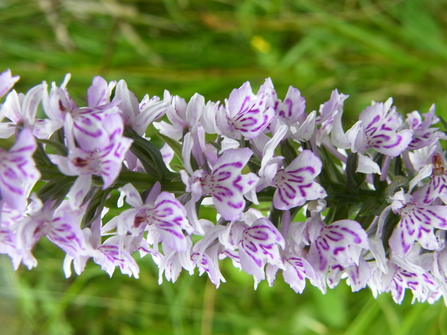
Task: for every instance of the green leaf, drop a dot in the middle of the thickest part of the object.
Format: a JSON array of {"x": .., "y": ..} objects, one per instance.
[
  {"x": 149, "y": 155},
  {"x": 175, "y": 146},
  {"x": 353, "y": 179},
  {"x": 379, "y": 185},
  {"x": 40, "y": 156},
  {"x": 391, "y": 222},
  {"x": 443, "y": 122},
  {"x": 59, "y": 147},
  {"x": 95, "y": 206},
  {"x": 371, "y": 207},
  {"x": 56, "y": 189},
  {"x": 288, "y": 151},
  {"x": 331, "y": 173},
  {"x": 254, "y": 164},
  {"x": 275, "y": 215}
]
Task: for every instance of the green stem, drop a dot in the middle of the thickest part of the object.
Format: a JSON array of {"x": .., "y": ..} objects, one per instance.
[{"x": 140, "y": 180}]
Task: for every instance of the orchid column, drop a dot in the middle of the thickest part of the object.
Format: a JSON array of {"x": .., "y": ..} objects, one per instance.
[{"x": 255, "y": 179}]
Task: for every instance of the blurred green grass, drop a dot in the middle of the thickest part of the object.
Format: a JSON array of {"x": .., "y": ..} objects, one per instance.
[{"x": 370, "y": 50}]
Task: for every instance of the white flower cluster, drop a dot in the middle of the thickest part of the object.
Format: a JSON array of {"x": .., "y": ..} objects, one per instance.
[{"x": 374, "y": 196}]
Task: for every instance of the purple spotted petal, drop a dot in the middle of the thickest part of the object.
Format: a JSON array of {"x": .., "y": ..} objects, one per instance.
[
  {"x": 240, "y": 100},
  {"x": 28, "y": 232},
  {"x": 253, "y": 122},
  {"x": 174, "y": 262},
  {"x": 58, "y": 103},
  {"x": 66, "y": 234},
  {"x": 297, "y": 269},
  {"x": 339, "y": 243},
  {"x": 247, "y": 114},
  {"x": 105, "y": 162},
  {"x": 98, "y": 93},
  {"x": 132, "y": 220},
  {"x": 111, "y": 159},
  {"x": 110, "y": 255},
  {"x": 329, "y": 108},
  {"x": 94, "y": 130},
  {"x": 165, "y": 216},
  {"x": 17, "y": 170},
  {"x": 295, "y": 184},
  {"x": 380, "y": 125},
  {"x": 8, "y": 247},
  {"x": 417, "y": 224},
  {"x": 227, "y": 185},
  {"x": 58, "y": 225},
  {"x": 390, "y": 143},
  {"x": 437, "y": 186},
  {"x": 209, "y": 262},
  {"x": 182, "y": 115},
  {"x": 267, "y": 89},
  {"x": 169, "y": 218},
  {"x": 8, "y": 237},
  {"x": 293, "y": 106},
  {"x": 421, "y": 283},
  {"x": 358, "y": 275},
  {"x": 260, "y": 245},
  {"x": 423, "y": 135},
  {"x": 379, "y": 112}
]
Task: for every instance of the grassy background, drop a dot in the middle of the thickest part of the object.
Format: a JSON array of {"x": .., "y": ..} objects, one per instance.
[{"x": 367, "y": 49}]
